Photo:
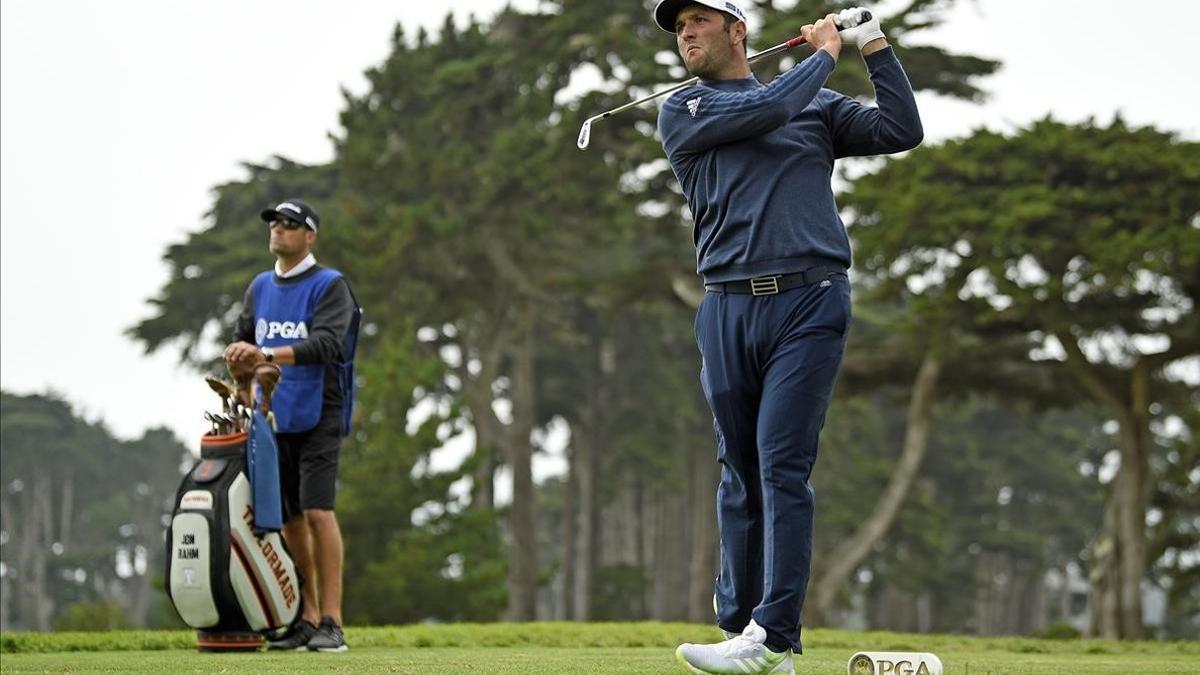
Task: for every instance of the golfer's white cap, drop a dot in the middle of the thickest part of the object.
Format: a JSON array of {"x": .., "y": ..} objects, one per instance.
[{"x": 666, "y": 10}]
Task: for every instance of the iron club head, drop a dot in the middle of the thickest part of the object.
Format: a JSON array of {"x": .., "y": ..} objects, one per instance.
[{"x": 585, "y": 134}]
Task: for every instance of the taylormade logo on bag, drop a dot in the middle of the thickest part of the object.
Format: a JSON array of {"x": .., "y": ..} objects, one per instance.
[
  {"x": 272, "y": 557},
  {"x": 288, "y": 330}
]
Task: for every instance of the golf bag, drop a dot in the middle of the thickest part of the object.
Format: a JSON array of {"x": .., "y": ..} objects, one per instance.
[{"x": 222, "y": 578}]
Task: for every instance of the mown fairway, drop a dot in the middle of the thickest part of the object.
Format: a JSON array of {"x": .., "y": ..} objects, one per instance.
[{"x": 571, "y": 648}]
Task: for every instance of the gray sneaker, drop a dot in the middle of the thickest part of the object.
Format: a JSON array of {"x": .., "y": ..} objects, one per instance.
[
  {"x": 296, "y": 637},
  {"x": 329, "y": 637}
]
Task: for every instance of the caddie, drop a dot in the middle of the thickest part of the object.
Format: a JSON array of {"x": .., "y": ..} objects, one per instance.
[{"x": 304, "y": 317}]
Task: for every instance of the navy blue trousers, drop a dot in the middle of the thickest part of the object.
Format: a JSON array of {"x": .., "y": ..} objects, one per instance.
[{"x": 768, "y": 369}]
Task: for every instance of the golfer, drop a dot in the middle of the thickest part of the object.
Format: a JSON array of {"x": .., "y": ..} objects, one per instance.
[
  {"x": 755, "y": 161},
  {"x": 303, "y": 317}
]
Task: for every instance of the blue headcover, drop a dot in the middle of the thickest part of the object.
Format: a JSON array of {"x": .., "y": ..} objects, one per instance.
[{"x": 262, "y": 465}]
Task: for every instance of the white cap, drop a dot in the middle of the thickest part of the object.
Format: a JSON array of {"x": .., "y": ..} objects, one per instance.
[{"x": 666, "y": 11}]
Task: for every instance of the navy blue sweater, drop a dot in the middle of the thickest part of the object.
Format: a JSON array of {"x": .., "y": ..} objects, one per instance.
[{"x": 755, "y": 162}]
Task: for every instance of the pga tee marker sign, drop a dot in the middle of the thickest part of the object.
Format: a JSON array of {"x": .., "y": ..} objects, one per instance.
[{"x": 894, "y": 663}]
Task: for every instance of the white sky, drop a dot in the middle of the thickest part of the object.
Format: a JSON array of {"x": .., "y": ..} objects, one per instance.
[{"x": 118, "y": 118}]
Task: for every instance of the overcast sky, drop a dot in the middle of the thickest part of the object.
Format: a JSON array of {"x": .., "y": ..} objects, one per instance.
[{"x": 118, "y": 118}]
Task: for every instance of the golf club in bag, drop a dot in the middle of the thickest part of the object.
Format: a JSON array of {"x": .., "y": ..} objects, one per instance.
[
  {"x": 846, "y": 19},
  {"x": 229, "y": 574}
]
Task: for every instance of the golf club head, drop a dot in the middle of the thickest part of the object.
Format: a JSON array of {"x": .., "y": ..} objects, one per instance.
[
  {"x": 222, "y": 389},
  {"x": 266, "y": 376},
  {"x": 585, "y": 134}
]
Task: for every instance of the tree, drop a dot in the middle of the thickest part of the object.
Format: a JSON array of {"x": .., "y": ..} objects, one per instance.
[
  {"x": 82, "y": 513},
  {"x": 1175, "y": 505},
  {"x": 999, "y": 503},
  {"x": 1083, "y": 240},
  {"x": 474, "y": 281}
]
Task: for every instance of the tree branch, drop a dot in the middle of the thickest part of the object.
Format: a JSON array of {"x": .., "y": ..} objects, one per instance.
[{"x": 850, "y": 553}]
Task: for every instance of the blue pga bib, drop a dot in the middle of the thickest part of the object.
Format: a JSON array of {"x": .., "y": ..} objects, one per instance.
[{"x": 283, "y": 315}]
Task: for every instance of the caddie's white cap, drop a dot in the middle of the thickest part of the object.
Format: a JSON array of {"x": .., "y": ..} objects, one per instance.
[{"x": 666, "y": 10}]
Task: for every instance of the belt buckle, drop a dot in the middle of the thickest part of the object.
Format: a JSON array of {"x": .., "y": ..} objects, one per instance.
[{"x": 764, "y": 286}]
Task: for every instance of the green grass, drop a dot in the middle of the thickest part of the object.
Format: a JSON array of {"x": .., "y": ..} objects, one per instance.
[{"x": 572, "y": 648}]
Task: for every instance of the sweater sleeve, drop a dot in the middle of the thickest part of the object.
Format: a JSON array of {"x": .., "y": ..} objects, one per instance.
[
  {"x": 893, "y": 126},
  {"x": 698, "y": 119},
  {"x": 243, "y": 328},
  {"x": 331, "y": 320}
]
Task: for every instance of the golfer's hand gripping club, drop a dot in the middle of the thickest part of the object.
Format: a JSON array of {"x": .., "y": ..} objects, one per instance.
[
  {"x": 860, "y": 27},
  {"x": 847, "y": 18}
]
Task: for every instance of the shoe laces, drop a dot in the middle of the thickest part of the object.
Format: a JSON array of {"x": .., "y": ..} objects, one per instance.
[
  {"x": 749, "y": 642},
  {"x": 330, "y": 625}
]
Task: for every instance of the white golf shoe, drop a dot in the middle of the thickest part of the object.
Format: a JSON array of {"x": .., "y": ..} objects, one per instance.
[{"x": 744, "y": 654}]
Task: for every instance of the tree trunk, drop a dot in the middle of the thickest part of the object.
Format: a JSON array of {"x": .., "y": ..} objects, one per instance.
[
  {"x": 523, "y": 562},
  {"x": 670, "y": 548},
  {"x": 894, "y": 611},
  {"x": 587, "y": 462},
  {"x": 566, "y": 589},
  {"x": 848, "y": 555},
  {"x": 34, "y": 604},
  {"x": 1128, "y": 494},
  {"x": 1132, "y": 483},
  {"x": 5, "y": 587},
  {"x": 988, "y": 598},
  {"x": 1126, "y": 529},
  {"x": 638, "y": 507},
  {"x": 483, "y": 479},
  {"x": 1031, "y": 614},
  {"x": 1104, "y": 602},
  {"x": 489, "y": 433},
  {"x": 68, "y": 508},
  {"x": 140, "y": 592},
  {"x": 593, "y": 440},
  {"x": 702, "y": 515}
]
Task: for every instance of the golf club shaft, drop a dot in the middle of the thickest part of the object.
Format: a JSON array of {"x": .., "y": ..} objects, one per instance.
[
  {"x": 585, "y": 132},
  {"x": 794, "y": 42}
]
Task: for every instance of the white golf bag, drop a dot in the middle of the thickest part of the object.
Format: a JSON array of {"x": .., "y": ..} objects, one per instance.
[{"x": 223, "y": 579}]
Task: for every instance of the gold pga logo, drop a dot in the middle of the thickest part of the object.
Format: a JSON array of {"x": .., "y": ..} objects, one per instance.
[
  {"x": 894, "y": 663},
  {"x": 862, "y": 665}
]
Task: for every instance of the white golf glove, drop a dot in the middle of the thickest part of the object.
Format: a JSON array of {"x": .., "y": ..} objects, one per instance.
[{"x": 861, "y": 33}]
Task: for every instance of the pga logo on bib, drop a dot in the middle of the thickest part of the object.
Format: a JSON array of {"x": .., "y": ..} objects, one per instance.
[{"x": 289, "y": 330}]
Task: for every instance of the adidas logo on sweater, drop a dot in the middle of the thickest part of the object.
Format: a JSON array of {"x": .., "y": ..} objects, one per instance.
[{"x": 694, "y": 105}]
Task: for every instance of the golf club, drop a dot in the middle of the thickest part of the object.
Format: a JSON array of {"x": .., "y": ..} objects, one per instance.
[
  {"x": 221, "y": 423},
  {"x": 222, "y": 389},
  {"x": 585, "y": 132}
]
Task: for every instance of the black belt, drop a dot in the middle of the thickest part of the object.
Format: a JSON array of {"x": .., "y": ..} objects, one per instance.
[{"x": 774, "y": 284}]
